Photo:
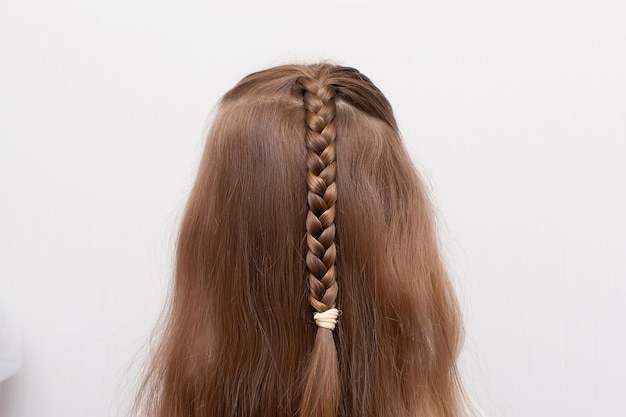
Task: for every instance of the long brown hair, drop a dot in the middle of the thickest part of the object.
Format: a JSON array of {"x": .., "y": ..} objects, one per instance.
[{"x": 306, "y": 200}]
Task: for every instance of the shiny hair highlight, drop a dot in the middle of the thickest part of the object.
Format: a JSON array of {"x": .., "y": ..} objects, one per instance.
[{"x": 306, "y": 200}]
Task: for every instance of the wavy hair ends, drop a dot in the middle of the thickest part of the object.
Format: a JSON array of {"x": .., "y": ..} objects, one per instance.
[{"x": 306, "y": 200}]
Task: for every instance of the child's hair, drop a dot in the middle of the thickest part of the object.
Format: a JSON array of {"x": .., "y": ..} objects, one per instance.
[{"x": 306, "y": 201}]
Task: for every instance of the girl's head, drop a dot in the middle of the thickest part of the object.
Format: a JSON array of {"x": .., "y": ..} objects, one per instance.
[{"x": 306, "y": 201}]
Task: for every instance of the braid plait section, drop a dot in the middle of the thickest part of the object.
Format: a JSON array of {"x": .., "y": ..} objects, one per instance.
[
  {"x": 320, "y": 395},
  {"x": 322, "y": 195}
]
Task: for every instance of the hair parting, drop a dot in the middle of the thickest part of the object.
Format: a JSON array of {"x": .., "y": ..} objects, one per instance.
[{"x": 306, "y": 206}]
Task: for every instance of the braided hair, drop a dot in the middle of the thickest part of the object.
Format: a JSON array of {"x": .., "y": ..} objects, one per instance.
[
  {"x": 306, "y": 206},
  {"x": 320, "y": 136}
]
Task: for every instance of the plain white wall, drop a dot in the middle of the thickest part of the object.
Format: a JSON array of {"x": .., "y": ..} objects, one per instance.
[{"x": 514, "y": 111}]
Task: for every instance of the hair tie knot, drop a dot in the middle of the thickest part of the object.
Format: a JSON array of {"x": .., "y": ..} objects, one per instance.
[{"x": 327, "y": 319}]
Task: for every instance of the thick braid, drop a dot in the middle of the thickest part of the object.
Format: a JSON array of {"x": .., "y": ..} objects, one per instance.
[{"x": 321, "y": 385}]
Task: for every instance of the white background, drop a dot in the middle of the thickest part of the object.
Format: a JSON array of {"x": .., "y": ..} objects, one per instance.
[{"x": 514, "y": 111}]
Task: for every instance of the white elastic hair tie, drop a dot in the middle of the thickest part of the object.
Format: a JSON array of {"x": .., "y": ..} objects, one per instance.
[{"x": 327, "y": 319}]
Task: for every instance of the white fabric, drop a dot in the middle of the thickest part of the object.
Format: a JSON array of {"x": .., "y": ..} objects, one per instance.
[{"x": 10, "y": 355}]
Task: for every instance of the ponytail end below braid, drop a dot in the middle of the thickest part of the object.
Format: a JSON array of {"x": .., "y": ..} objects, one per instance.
[{"x": 320, "y": 397}]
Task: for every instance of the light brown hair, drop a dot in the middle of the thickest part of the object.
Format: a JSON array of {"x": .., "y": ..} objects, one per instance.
[{"x": 306, "y": 200}]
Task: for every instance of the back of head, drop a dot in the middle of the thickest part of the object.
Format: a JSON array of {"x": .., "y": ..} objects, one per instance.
[{"x": 307, "y": 202}]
